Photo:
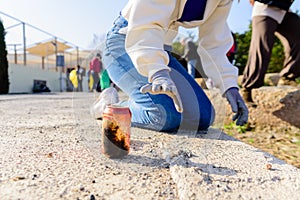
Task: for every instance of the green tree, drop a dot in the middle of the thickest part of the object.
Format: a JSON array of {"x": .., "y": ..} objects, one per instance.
[
  {"x": 243, "y": 43},
  {"x": 4, "y": 83},
  {"x": 177, "y": 48},
  {"x": 277, "y": 57}
]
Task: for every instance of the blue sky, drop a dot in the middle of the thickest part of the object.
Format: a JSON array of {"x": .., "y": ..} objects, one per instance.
[{"x": 77, "y": 21}]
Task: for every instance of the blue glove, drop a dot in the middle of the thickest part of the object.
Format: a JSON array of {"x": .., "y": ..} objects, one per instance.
[
  {"x": 161, "y": 83},
  {"x": 238, "y": 106}
]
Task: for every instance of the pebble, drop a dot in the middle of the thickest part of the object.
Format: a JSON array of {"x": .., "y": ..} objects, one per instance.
[{"x": 268, "y": 166}]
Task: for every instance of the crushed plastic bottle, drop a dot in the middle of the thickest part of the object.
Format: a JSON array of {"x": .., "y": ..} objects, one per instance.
[{"x": 108, "y": 96}]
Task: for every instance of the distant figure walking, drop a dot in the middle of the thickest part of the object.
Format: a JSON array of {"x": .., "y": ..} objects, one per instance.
[
  {"x": 79, "y": 73},
  {"x": 191, "y": 56},
  {"x": 95, "y": 69}
]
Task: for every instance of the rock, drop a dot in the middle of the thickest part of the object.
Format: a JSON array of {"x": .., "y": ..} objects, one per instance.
[
  {"x": 278, "y": 108},
  {"x": 271, "y": 79}
]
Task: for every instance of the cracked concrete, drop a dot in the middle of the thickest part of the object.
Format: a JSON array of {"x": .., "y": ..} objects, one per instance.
[{"x": 50, "y": 149}]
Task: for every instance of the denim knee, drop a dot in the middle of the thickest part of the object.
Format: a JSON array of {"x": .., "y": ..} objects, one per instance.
[
  {"x": 208, "y": 121},
  {"x": 172, "y": 120},
  {"x": 158, "y": 117}
]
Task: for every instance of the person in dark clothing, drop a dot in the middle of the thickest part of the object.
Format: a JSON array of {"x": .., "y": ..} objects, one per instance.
[{"x": 270, "y": 19}]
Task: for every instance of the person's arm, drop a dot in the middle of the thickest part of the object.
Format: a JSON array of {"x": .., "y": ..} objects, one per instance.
[
  {"x": 147, "y": 25},
  {"x": 215, "y": 41},
  {"x": 101, "y": 65},
  {"x": 187, "y": 50}
]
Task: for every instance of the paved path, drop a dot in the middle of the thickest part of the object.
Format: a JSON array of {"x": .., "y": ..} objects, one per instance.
[{"x": 50, "y": 149}]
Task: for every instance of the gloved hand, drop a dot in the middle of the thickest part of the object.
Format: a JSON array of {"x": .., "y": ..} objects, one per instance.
[
  {"x": 237, "y": 105},
  {"x": 161, "y": 83}
]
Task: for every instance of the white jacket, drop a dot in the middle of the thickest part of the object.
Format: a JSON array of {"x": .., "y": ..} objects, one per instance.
[{"x": 153, "y": 23}]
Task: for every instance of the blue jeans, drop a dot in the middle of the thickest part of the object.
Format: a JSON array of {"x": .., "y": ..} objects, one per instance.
[{"x": 156, "y": 112}]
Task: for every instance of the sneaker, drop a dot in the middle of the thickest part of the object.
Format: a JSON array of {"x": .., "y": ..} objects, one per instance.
[
  {"x": 107, "y": 97},
  {"x": 286, "y": 81}
]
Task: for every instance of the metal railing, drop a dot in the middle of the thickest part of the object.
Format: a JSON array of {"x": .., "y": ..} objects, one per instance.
[{"x": 18, "y": 47}]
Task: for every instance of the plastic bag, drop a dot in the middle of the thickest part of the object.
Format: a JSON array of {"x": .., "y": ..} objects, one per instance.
[
  {"x": 90, "y": 80},
  {"x": 73, "y": 78},
  {"x": 104, "y": 80},
  {"x": 107, "y": 97}
]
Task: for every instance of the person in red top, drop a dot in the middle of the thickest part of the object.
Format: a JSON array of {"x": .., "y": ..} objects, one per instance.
[{"x": 95, "y": 68}]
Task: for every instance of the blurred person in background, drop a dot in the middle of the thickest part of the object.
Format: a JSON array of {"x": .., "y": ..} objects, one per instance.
[
  {"x": 95, "y": 69},
  {"x": 271, "y": 18}
]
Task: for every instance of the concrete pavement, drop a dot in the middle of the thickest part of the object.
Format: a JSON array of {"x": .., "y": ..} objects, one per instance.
[{"x": 50, "y": 149}]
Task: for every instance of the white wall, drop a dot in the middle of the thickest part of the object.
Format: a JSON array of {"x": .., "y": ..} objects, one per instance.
[{"x": 21, "y": 79}]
